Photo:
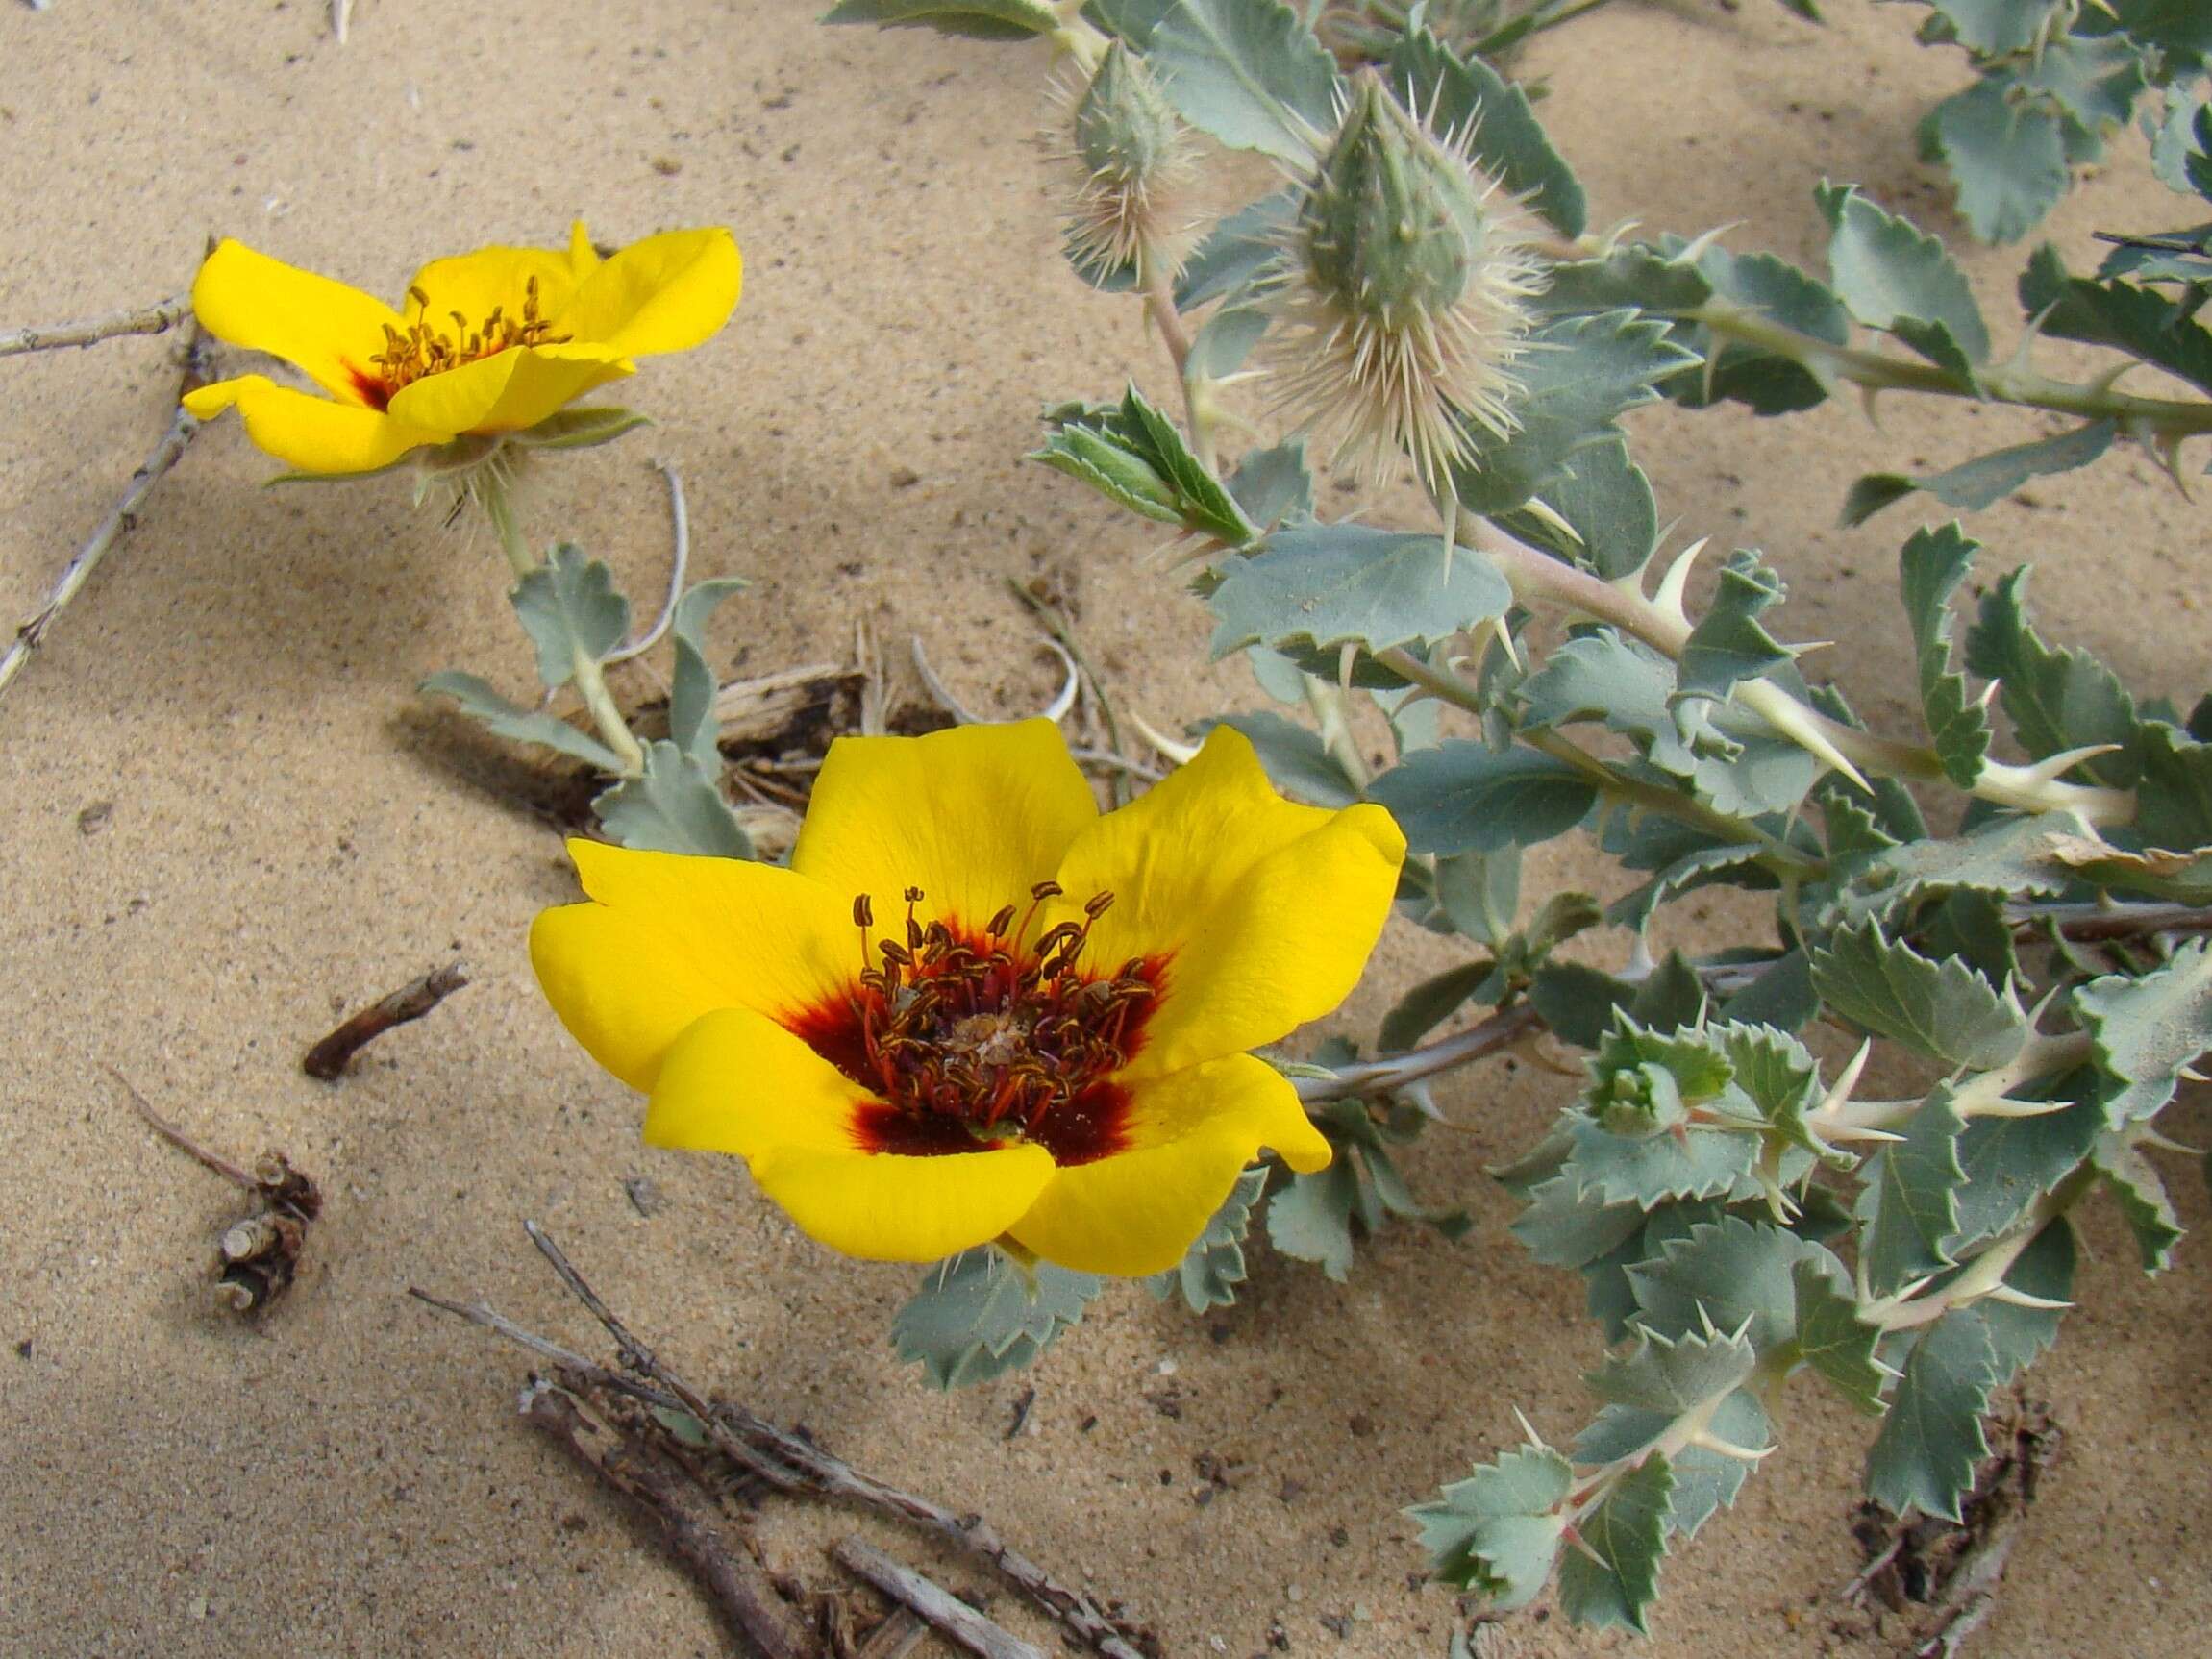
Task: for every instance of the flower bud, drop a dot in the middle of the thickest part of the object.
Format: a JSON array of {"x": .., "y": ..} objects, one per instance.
[
  {"x": 1127, "y": 151},
  {"x": 1405, "y": 299}
]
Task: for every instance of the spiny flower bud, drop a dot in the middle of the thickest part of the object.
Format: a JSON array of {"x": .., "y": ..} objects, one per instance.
[
  {"x": 1405, "y": 298},
  {"x": 1127, "y": 151}
]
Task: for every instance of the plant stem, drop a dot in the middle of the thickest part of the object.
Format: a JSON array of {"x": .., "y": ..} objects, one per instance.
[
  {"x": 590, "y": 682},
  {"x": 1879, "y": 371},
  {"x": 1782, "y": 859},
  {"x": 1535, "y": 577},
  {"x": 1198, "y": 403}
]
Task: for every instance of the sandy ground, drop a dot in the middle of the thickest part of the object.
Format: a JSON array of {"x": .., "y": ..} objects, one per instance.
[{"x": 278, "y": 839}]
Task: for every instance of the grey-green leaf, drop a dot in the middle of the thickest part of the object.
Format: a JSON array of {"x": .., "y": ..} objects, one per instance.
[
  {"x": 568, "y": 605},
  {"x": 510, "y": 720},
  {"x": 979, "y": 1315},
  {"x": 1328, "y": 584},
  {"x": 973, "y": 20},
  {"x": 1465, "y": 797},
  {"x": 1912, "y": 1185},
  {"x": 1248, "y": 72},
  {"x": 674, "y": 806},
  {"x": 1498, "y": 1532},
  {"x": 2006, "y": 154},
  {"x": 1626, "y": 1537},
  {"x": 1975, "y": 485},
  {"x": 691, "y": 724},
  {"x": 1929, "y": 1443},
  {"x": 1898, "y": 279},
  {"x": 1942, "y": 1010},
  {"x": 1930, "y": 568},
  {"x": 1213, "y": 1267}
]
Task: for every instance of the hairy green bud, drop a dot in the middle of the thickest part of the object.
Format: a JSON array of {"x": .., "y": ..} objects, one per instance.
[
  {"x": 1126, "y": 151},
  {"x": 1406, "y": 294}
]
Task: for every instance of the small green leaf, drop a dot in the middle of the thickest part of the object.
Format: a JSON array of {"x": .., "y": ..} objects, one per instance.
[
  {"x": 1457, "y": 96},
  {"x": 2006, "y": 154},
  {"x": 1432, "y": 1002},
  {"x": 973, "y": 19},
  {"x": 1241, "y": 252},
  {"x": 1728, "y": 643},
  {"x": 1134, "y": 455},
  {"x": 1465, "y": 797},
  {"x": 568, "y": 605},
  {"x": 1925, "y": 1457},
  {"x": 1912, "y": 1186},
  {"x": 1895, "y": 278},
  {"x": 1975, "y": 485},
  {"x": 1329, "y": 584},
  {"x": 2144, "y": 1031},
  {"x": 1942, "y": 1009},
  {"x": 1606, "y": 501},
  {"x": 2140, "y": 1194},
  {"x": 1310, "y": 1219},
  {"x": 585, "y": 428},
  {"x": 1930, "y": 568},
  {"x": 1480, "y": 893},
  {"x": 691, "y": 724},
  {"x": 1248, "y": 72},
  {"x": 2059, "y": 698},
  {"x": 1834, "y": 1341},
  {"x": 674, "y": 806},
  {"x": 980, "y": 1315},
  {"x": 1213, "y": 1267},
  {"x": 479, "y": 702},
  {"x": 1577, "y": 375},
  {"x": 1273, "y": 485},
  {"x": 2153, "y": 327},
  {"x": 1626, "y": 1537},
  {"x": 2174, "y": 798},
  {"x": 1498, "y": 1532}
]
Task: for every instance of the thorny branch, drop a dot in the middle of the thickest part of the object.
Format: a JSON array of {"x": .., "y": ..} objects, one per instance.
[{"x": 792, "y": 1462}]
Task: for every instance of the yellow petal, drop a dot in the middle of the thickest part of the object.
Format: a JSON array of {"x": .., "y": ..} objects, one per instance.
[
  {"x": 1266, "y": 910},
  {"x": 974, "y": 816},
  {"x": 310, "y": 434},
  {"x": 582, "y": 257},
  {"x": 735, "y": 1082},
  {"x": 326, "y": 329},
  {"x": 1192, "y": 1132},
  {"x": 668, "y": 938},
  {"x": 665, "y": 294},
  {"x": 509, "y": 390},
  {"x": 474, "y": 284}
]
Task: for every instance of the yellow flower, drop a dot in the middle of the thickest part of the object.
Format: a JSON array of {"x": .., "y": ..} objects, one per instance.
[
  {"x": 973, "y": 1007},
  {"x": 486, "y": 344}
]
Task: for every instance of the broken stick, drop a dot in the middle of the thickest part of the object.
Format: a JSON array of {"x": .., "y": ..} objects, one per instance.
[
  {"x": 686, "y": 1516},
  {"x": 184, "y": 425},
  {"x": 153, "y": 319},
  {"x": 328, "y": 1059},
  {"x": 939, "y": 1606}
]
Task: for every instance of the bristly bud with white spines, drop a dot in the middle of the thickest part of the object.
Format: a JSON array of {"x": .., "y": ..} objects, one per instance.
[
  {"x": 1405, "y": 295},
  {"x": 1128, "y": 152}
]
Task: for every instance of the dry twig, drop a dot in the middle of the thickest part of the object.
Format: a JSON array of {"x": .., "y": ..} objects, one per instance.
[
  {"x": 687, "y": 1515},
  {"x": 124, "y": 517},
  {"x": 941, "y": 1608},
  {"x": 790, "y": 1460},
  {"x": 261, "y": 1252},
  {"x": 153, "y": 319},
  {"x": 328, "y": 1059}
]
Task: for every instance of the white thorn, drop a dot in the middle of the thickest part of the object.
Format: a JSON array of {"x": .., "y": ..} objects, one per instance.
[
  {"x": 1181, "y": 754},
  {"x": 1707, "y": 1441},
  {"x": 1347, "y": 659},
  {"x": 2055, "y": 766},
  {"x": 1677, "y": 581},
  {"x": 1694, "y": 251},
  {"x": 2017, "y": 1298}
]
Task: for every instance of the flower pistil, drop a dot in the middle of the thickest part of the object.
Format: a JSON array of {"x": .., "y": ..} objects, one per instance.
[{"x": 965, "y": 1038}]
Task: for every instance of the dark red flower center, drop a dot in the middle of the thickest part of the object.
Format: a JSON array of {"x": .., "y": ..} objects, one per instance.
[
  {"x": 967, "y": 1038},
  {"x": 427, "y": 350}
]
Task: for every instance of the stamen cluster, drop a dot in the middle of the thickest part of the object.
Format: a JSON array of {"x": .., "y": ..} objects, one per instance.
[
  {"x": 991, "y": 1032},
  {"x": 424, "y": 350}
]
